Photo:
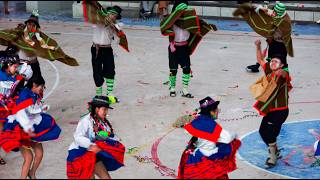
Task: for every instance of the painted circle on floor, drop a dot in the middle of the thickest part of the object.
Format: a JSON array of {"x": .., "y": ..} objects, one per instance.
[{"x": 296, "y": 140}]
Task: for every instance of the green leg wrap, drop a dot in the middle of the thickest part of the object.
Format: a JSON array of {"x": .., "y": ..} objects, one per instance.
[{"x": 109, "y": 83}]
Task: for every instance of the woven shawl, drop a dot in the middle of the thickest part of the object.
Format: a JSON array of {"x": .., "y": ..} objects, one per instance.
[
  {"x": 265, "y": 25},
  {"x": 93, "y": 12},
  {"x": 187, "y": 19},
  {"x": 15, "y": 37}
]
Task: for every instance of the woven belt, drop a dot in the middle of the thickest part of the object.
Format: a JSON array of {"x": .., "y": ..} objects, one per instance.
[
  {"x": 97, "y": 46},
  {"x": 173, "y": 44},
  {"x": 183, "y": 43},
  {"x": 103, "y": 45}
]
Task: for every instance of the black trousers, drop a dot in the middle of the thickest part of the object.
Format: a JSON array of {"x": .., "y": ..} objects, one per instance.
[
  {"x": 276, "y": 47},
  {"x": 102, "y": 64},
  {"x": 35, "y": 66},
  {"x": 180, "y": 56},
  {"x": 271, "y": 125}
]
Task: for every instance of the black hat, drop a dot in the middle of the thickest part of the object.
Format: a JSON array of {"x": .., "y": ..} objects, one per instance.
[
  {"x": 208, "y": 104},
  {"x": 114, "y": 9},
  {"x": 33, "y": 18},
  {"x": 10, "y": 59},
  {"x": 11, "y": 49},
  {"x": 282, "y": 58},
  {"x": 101, "y": 101}
]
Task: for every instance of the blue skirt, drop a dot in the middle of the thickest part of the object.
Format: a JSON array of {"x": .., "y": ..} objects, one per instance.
[
  {"x": 111, "y": 155},
  {"x": 47, "y": 130}
]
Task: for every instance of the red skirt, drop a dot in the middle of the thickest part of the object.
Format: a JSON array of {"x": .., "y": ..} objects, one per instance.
[
  {"x": 14, "y": 139},
  {"x": 207, "y": 168},
  {"x": 6, "y": 110},
  {"x": 81, "y": 162}
]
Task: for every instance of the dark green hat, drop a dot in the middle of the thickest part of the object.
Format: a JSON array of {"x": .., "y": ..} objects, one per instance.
[
  {"x": 114, "y": 10},
  {"x": 280, "y": 9}
]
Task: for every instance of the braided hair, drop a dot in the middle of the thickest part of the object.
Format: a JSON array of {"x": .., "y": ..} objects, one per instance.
[
  {"x": 92, "y": 110},
  {"x": 192, "y": 143}
]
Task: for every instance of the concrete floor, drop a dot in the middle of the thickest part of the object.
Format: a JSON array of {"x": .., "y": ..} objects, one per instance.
[{"x": 146, "y": 113}]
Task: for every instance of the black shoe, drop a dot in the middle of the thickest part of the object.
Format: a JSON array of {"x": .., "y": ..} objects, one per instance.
[
  {"x": 173, "y": 94},
  {"x": 188, "y": 95},
  {"x": 269, "y": 164},
  {"x": 117, "y": 99},
  {"x": 253, "y": 68}
]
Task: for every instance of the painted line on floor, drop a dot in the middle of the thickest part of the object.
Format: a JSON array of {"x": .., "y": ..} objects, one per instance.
[
  {"x": 257, "y": 167},
  {"x": 56, "y": 83}
]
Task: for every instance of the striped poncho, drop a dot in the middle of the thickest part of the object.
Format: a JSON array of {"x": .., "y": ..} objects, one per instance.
[
  {"x": 16, "y": 37},
  {"x": 279, "y": 99},
  {"x": 265, "y": 25},
  {"x": 187, "y": 19},
  {"x": 94, "y": 13}
]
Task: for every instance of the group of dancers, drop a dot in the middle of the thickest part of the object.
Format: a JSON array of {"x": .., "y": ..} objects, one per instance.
[{"x": 96, "y": 149}]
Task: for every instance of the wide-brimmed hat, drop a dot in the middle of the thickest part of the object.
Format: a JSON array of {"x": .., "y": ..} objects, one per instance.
[
  {"x": 33, "y": 19},
  {"x": 208, "y": 104},
  {"x": 101, "y": 101},
  {"x": 10, "y": 59}
]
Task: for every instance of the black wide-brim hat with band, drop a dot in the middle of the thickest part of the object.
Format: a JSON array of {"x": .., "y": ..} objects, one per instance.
[
  {"x": 115, "y": 10},
  {"x": 33, "y": 19},
  {"x": 208, "y": 104},
  {"x": 9, "y": 59},
  {"x": 101, "y": 101}
]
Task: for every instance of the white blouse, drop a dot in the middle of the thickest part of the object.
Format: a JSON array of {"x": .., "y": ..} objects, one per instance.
[
  {"x": 29, "y": 116},
  {"x": 84, "y": 135},
  {"x": 103, "y": 35},
  {"x": 208, "y": 148}
]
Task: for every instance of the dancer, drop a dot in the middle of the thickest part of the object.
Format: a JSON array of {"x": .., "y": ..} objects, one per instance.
[
  {"x": 210, "y": 153},
  {"x": 275, "y": 109},
  {"x": 8, "y": 85},
  {"x": 185, "y": 31},
  {"x": 105, "y": 29},
  {"x": 32, "y": 43},
  {"x": 28, "y": 127},
  {"x": 273, "y": 24},
  {"x": 96, "y": 150}
]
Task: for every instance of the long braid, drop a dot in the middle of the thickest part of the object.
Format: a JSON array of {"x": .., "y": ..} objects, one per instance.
[
  {"x": 109, "y": 124},
  {"x": 192, "y": 143}
]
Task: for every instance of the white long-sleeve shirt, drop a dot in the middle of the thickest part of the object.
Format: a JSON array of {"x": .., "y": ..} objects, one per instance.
[
  {"x": 180, "y": 34},
  {"x": 208, "y": 148},
  {"x": 24, "y": 56},
  {"x": 103, "y": 35},
  {"x": 84, "y": 135},
  {"x": 28, "y": 117}
]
